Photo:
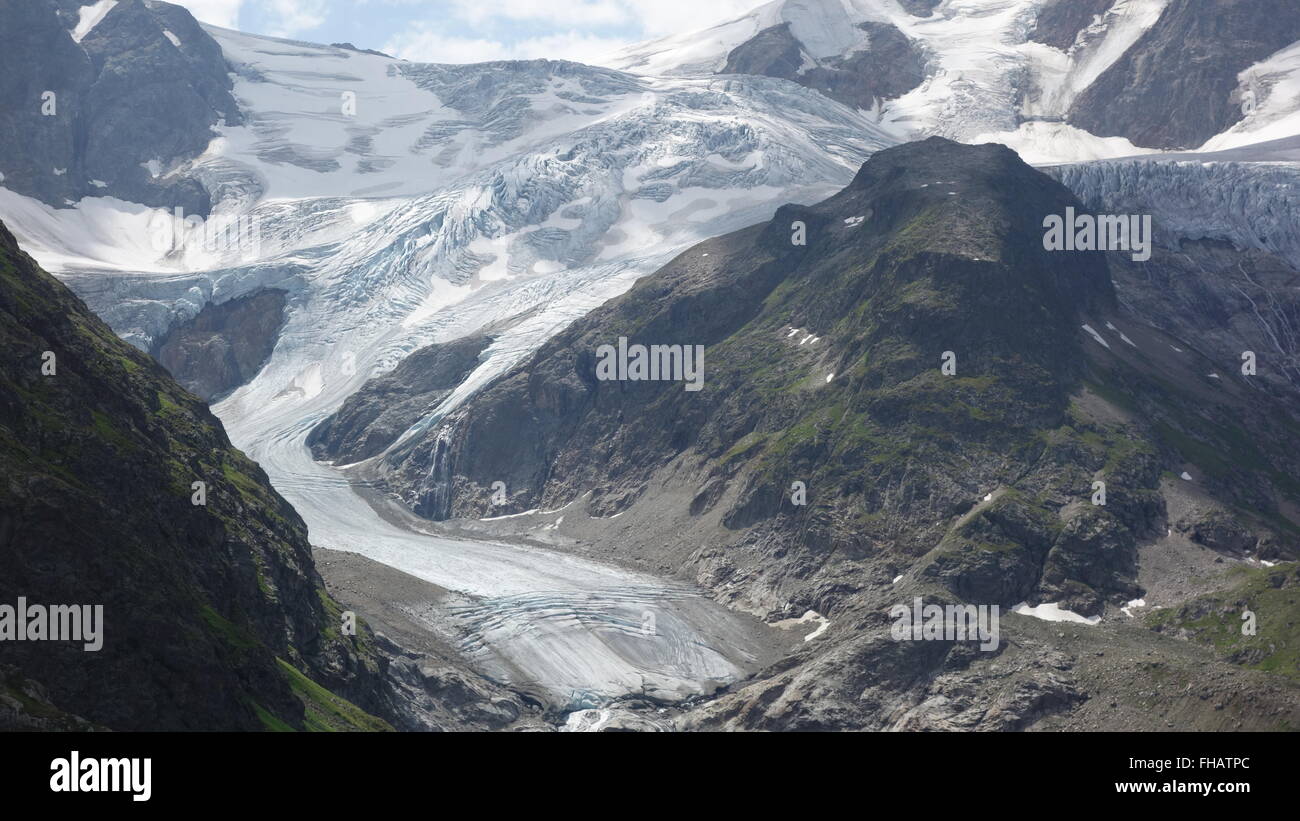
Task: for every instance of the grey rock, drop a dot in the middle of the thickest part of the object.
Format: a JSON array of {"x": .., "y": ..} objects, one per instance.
[
  {"x": 375, "y": 416},
  {"x": 888, "y": 67},
  {"x": 225, "y": 345},
  {"x": 1218, "y": 530},
  {"x": 1175, "y": 87},
  {"x": 127, "y": 97},
  {"x": 919, "y": 8},
  {"x": 1059, "y": 22}
]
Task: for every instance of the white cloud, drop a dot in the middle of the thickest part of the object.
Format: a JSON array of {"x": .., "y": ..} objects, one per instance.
[
  {"x": 652, "y": 18},
  {"x": 283, "y": 18},
  {"x": 293, "y": 17},
  {"x": 426, "y": 45},
  {"x": 590, "y": 29},
  {"x": 463, "y": 31},
  {"x": 580, "y": 13},
  {"x": 662, "y": 17},
  {"x": 224, "y": 13}
]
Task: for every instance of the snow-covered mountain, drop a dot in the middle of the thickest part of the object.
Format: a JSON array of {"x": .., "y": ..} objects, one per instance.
[
  {"x": 1041, "y": 76},
  {"x": 452, "y": 180}
]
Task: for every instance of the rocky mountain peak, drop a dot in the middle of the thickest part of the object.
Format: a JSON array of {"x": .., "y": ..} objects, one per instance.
[
  {"x": 108, "y": 110},
  {"x": 829, "y": 313}
]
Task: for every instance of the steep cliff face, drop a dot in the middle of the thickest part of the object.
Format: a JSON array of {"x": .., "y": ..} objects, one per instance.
[
  {"x": 1059, "y": 22},
  {"x": 1177, "y": 86},
  {"x": 107, "y": 111},
  {"x": 1224, "y": 271},
  {"x": 375, "y": 416},
  {"x": 213, "y": 614},
  {"x": 225, "y": 344},
  {"x": 886, "y": 66}
]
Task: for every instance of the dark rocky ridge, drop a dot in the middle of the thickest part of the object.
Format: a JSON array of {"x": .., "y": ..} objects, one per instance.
[
  {"x": 214, "y": 616},
  {"x": 919, "y": 8},
  {"x": 927, "y": 272},
  {"x": 351, "y": 47},
  {"x": 1175, "y": 87},
  {"x": 889, "y": 67},
  {"x": 126, "y": 96},
  {"x": 773, "y": 52},
  {"x": 225, "y": 344},
  {"x": 375, "y": 416},
  {"x": 1059, "y": 23}
]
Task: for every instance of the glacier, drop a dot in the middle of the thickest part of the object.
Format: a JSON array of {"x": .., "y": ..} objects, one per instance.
[
  {"x": 1245, "y": 196},
  {"x": 400, "y": 205}
]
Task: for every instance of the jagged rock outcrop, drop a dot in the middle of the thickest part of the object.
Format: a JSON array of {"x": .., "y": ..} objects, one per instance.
[
  {"x": 1177, "y": 85},
  {"x": 375, "y": 416},
  {"x": 773, "y": 52},
  {"x": 134, "y": 98},
  {"x": 1059, "y": 22},
  {"x": 887, "y": 66},
  {"x": 25, "y": 706},
  {"x": 225, "y": 345}
]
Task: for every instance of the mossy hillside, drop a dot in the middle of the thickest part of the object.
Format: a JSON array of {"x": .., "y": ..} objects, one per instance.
[
  {"x": 1242, "y": 446},
  {"x": 1271, "y": 594},
  {"x": 890, "y": 417},
  {"x": 99, "y": 460},
  {"x": 889, "y": 304},
  {"x": 1042, "y": 538},
  {"x": 326, "y": 712}
]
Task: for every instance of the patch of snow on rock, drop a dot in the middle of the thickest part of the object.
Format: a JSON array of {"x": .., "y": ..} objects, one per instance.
[
  {"x": 1096, "y": 335},
  {"x": 1135, "y": 603},
  {"x": 1053, "y": 612},
  {"x": 89, "y": 17}
]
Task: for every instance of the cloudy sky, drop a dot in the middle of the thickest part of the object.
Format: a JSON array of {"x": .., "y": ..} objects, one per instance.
[{"x": 465, "y": 31}]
